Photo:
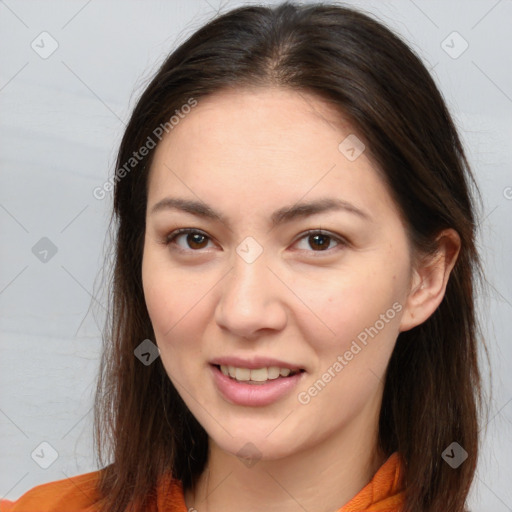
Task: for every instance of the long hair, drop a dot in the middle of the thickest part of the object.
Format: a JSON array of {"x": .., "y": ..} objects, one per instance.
[{"x": 433, "y": 393}]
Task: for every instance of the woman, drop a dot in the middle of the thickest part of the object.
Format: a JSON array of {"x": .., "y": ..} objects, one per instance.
[{"x": 295, "y": 232}]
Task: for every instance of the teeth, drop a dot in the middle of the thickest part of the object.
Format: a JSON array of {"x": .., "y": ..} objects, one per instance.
[
  {"x": 242, "y": 374},
  {"x": 256, "y": 374},
  {"x": 273, "y": 372},
  {"x": 259, "y": 374}
]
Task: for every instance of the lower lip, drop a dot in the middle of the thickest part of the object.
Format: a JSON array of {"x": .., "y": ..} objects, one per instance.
[{"x": 254, "y": 395}]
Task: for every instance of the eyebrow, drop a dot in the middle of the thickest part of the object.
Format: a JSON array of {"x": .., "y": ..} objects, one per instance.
[{"x": 281, "y": 216}]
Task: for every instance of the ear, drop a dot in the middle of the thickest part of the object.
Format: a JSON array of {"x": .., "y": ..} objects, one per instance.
[{"x": 429, "y": 280}]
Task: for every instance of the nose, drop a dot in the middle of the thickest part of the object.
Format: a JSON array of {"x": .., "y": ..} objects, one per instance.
[{"x": 251, "y": 300}]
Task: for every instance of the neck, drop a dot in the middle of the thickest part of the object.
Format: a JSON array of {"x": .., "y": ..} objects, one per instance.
[{"x": 321, "y": 478}]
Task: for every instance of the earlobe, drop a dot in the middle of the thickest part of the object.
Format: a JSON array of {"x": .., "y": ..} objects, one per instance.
[{"x": 428, "y": 284}]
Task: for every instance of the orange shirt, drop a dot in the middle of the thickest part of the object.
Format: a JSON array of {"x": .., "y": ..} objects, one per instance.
[{"x": 77, "y": 494}]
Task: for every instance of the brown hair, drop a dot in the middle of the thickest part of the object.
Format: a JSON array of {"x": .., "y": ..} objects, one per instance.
[{"x": 433, "y": 391}]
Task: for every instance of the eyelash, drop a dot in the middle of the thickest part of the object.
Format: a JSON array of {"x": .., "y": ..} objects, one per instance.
[{"x": 170, "y": 239}]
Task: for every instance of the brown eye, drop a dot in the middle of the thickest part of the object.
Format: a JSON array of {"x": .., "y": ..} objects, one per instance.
[
  {"x": 319, "y": 241},
  {"x": 195, "y": 239}
]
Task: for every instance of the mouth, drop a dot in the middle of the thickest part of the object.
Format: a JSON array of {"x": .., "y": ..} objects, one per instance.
[
  {"x": 257, "y": 376},
  {"x": 257, "y": 386}
]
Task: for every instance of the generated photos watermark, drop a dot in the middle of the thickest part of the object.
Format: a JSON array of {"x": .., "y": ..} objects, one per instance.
[
  {"x": 137, "y": 156},
  {"x": 305, "y": 397}
]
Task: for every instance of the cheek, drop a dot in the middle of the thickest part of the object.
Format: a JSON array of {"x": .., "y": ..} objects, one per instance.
[
  {"x": 171, "y": 298},
  {"x": 343, "y": 310},
  {"x": 176, "y": 305},
  {"x": 174, "y": 318}
]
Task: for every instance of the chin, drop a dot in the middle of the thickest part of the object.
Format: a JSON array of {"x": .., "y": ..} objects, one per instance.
[{"x": 252, "y": 445}]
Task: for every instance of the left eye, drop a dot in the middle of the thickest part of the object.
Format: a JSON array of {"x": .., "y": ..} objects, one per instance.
[
  {"x": 321, "y": 240},
  {"x": 197, "y": 240}
]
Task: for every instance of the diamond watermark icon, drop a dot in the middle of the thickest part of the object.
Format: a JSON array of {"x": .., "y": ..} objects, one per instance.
[
  {"x": 351, "y": 147},
  {"x": 249, "y": 250},
  {"x": 146, "y": 352},
  {"x": 44, "y": 45},
  {"x": 454, "y": 45},
  {"x": 249, "y": 454},
  {"x": 44, "y": 455},
  {"x": 454, "y": 455},
  {"x": 44, "y": 250}
]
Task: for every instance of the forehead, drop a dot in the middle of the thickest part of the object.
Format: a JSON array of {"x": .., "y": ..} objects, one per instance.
[
  {"x": 272, "y": 117},
  {"x": 275, "y": 143}
]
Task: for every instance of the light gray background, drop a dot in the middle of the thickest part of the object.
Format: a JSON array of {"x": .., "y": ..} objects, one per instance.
[{"x": 61, "y": 121}]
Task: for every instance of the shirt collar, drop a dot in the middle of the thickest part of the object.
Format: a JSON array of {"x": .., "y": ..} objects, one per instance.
[{"x": 383, "y": 493}]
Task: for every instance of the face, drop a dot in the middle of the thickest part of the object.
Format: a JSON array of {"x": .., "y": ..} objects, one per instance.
[{"x": 295, "y": 260}]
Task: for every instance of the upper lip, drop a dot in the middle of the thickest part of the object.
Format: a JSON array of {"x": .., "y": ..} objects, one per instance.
[{"x": 253, "y": 362}]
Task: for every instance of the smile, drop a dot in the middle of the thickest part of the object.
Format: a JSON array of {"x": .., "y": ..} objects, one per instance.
[{"x": 255, "y": 387}]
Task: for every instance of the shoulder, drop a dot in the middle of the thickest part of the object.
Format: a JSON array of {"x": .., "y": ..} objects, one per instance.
[
  {"x": 73, "y": 494},
  {"x": 79, "y": 494}
]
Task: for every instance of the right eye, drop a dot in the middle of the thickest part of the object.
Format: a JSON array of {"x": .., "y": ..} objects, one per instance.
[{"x": 195, "y": 239}]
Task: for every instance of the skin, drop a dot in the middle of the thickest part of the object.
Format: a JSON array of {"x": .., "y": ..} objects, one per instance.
[{"x": 246, "y": 153}]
